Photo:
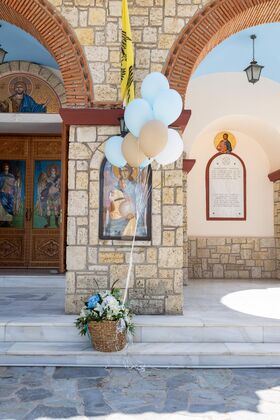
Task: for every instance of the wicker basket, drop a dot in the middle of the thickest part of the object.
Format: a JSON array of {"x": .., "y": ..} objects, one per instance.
[{"x": 105, "y": 336}]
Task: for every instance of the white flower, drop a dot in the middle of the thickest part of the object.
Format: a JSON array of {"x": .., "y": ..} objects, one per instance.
[
  {"x": 99, "y": 308},
  {"x": 84, "y": 312},
  {"x": 110, "y": 301}
]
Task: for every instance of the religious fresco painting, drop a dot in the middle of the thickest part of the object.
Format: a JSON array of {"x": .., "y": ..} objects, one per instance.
[
  {"x": 12, "y": 193},
  {"x": 47, "y": 194},
  {"x": 225, "y": 142},
  {"x": 24, "y": 93},
  {"x": 124, "y": 194}
]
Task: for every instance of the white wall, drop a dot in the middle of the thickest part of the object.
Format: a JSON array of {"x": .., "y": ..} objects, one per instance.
[
  {"x": 259, "y": 191},
  {"x": 227, "y": 102}
]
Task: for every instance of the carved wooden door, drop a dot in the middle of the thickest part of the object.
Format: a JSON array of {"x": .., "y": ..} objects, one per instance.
[{"x": 30, "y": 202}]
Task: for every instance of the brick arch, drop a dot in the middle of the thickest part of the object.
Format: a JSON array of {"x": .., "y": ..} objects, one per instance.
[
  {"x": 209, "y": 27},
  {"x": 43, "y": 21}
]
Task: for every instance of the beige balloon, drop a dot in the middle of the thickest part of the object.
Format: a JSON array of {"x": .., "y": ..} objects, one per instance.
[
  {"x": 132, "y": 152},
  {"x": 153, "y": 138}
]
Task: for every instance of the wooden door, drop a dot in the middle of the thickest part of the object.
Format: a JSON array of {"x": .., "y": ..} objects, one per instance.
[{"x": 30, "y": 202}]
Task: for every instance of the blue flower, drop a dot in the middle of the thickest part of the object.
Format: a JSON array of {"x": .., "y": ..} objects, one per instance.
[{"x": 92, "y": 301}]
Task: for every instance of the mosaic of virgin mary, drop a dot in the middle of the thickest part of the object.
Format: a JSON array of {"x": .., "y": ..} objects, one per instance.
[{"x": 124, "y": 203}]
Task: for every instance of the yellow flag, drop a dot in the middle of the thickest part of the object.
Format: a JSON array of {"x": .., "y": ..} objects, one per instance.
[{"x": 127, "y": 58}]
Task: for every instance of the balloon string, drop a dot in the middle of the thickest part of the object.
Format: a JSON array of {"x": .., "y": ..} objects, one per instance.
[
  {"x": 130, "y": 264},
  {"x": 143, "y": 201}
]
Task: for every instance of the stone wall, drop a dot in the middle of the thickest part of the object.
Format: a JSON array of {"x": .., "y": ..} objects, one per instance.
[
  {"x": 155, "y": 25},
  {"x": 277, "y": 224},
  {"x": 232, "y": 258},
  {"x": 94, "y": 264}
]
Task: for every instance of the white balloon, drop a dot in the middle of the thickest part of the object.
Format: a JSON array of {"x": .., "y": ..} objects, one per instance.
[
  {"x": 152, "y": 85},
  {"x": 172, "y": 150}
]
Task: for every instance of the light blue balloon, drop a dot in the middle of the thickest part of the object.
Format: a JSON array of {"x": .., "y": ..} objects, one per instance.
[
  {"x": 168, "y": 106},
  {"x": 137, "y": 113},
  {"x": 146, "y": 163},
  {"x": 152, "y": 85},
  {"x": 113, "y": 151}
]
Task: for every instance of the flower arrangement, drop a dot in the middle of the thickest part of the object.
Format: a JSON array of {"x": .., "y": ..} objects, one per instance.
[{"x": 105, "y": 306}]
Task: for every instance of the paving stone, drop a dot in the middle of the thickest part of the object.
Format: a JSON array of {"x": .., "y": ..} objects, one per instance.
[
  {"x": 76, "y": 372},
  {"x": 165, "y": 394},
  {"x": 94, "y": 402},
  {"x": 92, "y": 383},
  {"x": 33, "y": 394},
  {"x": 6, "y": 390},
  {"x": 51, "y": 412}
]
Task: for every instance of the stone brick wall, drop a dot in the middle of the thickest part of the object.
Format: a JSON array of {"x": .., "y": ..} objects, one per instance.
[
  {"x": 277, "y": 224},
  {"x": 232, "y": 258},
  {"x": 155, "y": 25},
  {"x": 94, "y": 264}
]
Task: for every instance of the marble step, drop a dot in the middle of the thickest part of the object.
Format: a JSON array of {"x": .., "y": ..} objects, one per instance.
[
  {"x": 141, "y": 355},
  {"x": 149, "y": 329},
  {"x": 32, "y": 280}
]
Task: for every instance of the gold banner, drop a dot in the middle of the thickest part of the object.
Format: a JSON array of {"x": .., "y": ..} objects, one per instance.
[{"x": 127, "y": 58}]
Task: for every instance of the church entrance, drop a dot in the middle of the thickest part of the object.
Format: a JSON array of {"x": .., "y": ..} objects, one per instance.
[{"x": 30, "y": 201}]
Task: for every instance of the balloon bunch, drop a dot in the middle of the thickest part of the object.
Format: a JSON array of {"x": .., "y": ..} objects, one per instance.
[{"x": 147, "y": 119}]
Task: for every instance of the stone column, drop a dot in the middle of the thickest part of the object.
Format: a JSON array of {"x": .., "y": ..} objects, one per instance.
[
  {"x": 277, "y": 225},
  {"x": 185, "y": 227},
  {"x": 93, "y": 264}
]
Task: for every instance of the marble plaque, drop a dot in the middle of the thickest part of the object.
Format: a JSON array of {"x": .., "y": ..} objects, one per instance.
[{"x": 226, "y": 188}]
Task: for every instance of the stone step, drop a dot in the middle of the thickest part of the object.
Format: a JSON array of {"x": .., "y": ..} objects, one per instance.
[
  {"x": 149, "y": 329},
  {"x": 141, "y": 355}
]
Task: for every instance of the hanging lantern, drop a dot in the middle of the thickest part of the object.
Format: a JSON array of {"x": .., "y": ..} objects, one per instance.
[{"x": 254, "y": 70}]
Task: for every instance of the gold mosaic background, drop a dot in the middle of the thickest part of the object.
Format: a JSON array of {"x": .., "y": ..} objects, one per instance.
[{"x": 36, "y": 87}]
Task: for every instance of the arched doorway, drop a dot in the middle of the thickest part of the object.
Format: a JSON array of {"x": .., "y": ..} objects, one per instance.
[
  {"x": 210, "y": 26},
  {"x": 214, "y": 23},
  {"x": 42, "y": 20}
]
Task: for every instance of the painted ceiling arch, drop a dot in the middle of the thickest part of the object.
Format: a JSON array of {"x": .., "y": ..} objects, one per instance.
[
  {"x": 44, "y": 22},
  {"x": 209, "y": 27}
]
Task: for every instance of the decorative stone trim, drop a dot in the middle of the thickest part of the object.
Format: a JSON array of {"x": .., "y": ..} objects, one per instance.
[
  {"x": 42, "y": 72},
  {"x": 42, "y": 20},
  {"x": 274, "y": 176}
]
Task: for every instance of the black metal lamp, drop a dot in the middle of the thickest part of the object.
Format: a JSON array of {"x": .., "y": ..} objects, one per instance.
[
  {"x": 254, "y": 70},
  {"x": 123, "y": 128},
  {"x": 2, "y": 55}
]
